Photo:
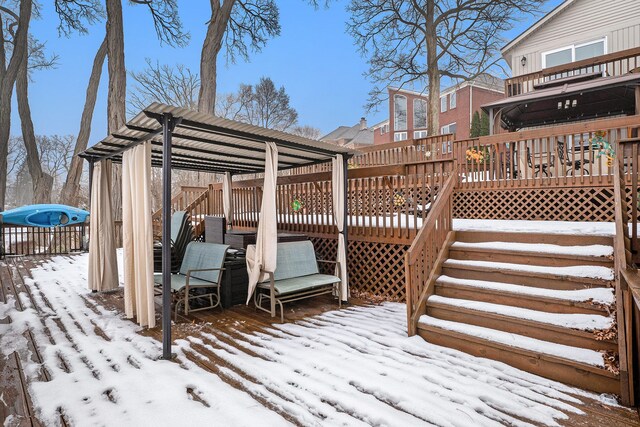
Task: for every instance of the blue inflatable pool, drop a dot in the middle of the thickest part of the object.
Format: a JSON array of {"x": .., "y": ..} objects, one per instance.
[{"x": 44, "y": 215}]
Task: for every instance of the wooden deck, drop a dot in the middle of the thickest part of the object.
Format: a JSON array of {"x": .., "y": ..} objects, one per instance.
[{"x": 229, "y": 328}]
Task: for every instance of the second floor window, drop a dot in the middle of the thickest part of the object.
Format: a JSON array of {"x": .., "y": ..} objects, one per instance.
[
  {"x": 452, "y": 100},
  {"x": 450, "y": 128},
  {"x": 419, "y": 113},
  {"x": 572, "y": 53},
  {"x": 400, "y": 112},
  {"x": 443, "y": 104}
]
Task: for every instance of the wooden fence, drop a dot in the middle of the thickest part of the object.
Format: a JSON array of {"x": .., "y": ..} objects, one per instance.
[
  {"x": 19, "y": 240},
  {"x": 613, "y": 64}
]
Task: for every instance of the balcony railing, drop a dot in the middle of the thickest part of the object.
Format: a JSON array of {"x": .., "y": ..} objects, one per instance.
[{"x": 613, "y": 64}]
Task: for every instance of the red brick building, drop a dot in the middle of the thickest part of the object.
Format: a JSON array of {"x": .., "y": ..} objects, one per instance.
[{"x": 408, "y": 109}]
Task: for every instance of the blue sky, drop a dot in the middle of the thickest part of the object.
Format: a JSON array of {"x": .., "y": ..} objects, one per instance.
[{"x": 313, "y": 58}]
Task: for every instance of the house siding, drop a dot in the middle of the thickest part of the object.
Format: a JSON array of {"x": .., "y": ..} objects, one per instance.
[{"x": 583, "y": 21}]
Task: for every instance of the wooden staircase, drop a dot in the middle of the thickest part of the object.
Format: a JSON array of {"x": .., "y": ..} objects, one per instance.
[{"x": 539, "y": 302}]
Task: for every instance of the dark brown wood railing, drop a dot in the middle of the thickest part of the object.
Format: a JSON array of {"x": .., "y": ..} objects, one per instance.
[
  {"x": 571, "y": 155},
  {"x": 426, "y": 254},
  {"x": 627, "y": 312},
  {"x": 19, "y": 240},
  {"x": 613, "y": 64}
]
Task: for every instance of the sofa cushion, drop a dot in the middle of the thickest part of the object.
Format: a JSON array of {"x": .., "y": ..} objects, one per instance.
[{"x": 297, "y": 284}]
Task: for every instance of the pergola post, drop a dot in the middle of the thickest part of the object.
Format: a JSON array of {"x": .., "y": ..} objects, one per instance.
[
  {"x": 91, "y": 164},
  {"x": 167, "y": 130},
  {"x": 345, "y": 228}
]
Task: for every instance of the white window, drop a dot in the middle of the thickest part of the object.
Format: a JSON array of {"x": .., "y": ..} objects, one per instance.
[
  {"x": 450, "y": 128},
  {"x": 419, "y": 134},
  {"x": 572, "y": 53},
  {"x": 384, "y": 129},
  {"x": 419, "y": 113},
  {"x": 400, "y": 112},
  {"x": 399, "y": 136},
  {"x": 443, "y": 104},
  {"x": 452, "y": 100},
  {"x": 446, "y": 147}
]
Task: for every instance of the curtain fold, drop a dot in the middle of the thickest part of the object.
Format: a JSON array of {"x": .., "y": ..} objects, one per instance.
[
  {"x": 264, "y": 256},
  {"x": 137, "y": 235},
  {"x": 103, "y": 265},
  {"x": 227, "y": 199},
  {"x": 338, "y": 174}
]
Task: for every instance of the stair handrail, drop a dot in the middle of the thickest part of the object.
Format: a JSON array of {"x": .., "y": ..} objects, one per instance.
[
  {"x": 624, "y": 298},
  {"x": 426, "y": 250},
  {"x": 195, "y": 209}
]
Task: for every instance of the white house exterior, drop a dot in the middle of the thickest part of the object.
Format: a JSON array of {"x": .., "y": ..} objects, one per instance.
[{"x": 575, "y": 30}]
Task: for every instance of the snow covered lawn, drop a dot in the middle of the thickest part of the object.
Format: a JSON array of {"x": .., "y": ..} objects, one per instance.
[{"x": 355, "y": 366}]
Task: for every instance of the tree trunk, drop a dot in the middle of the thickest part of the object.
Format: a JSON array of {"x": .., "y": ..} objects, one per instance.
[
  {"x": 71, "y": 189},
  {"x": 42, "y": 182},
  {"x": 6, "y": 90},
  {"x": 116, "y": 98},
  {"x": 433, "y": 72},
  {"x": 210, "y": 49}
]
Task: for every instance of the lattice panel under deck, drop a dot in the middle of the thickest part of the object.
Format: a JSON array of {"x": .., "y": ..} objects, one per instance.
[
  {"x": 550, "y": 204},
  {"x": 376, "y": 268}
]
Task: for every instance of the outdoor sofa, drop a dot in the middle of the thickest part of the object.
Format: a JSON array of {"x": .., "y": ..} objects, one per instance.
[{"x": 296, "y": 277}]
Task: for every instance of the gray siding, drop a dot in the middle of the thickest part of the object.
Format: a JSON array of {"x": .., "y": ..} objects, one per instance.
[{"x": 583, "y": 21}]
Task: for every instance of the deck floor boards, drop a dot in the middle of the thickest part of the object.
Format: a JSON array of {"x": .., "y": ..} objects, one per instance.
[{"x": 228, "y": 327}]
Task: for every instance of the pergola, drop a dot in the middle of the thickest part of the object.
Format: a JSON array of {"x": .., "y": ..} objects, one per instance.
[{"x": 176, "y": 138}]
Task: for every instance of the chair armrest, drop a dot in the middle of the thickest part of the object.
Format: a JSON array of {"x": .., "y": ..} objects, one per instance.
[
  {"x": 327, "y": 261},
  {"x": 202, "y": 269}
]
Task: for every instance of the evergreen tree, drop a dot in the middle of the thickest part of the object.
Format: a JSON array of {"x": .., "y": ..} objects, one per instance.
[{"x": 475, "y": 125}]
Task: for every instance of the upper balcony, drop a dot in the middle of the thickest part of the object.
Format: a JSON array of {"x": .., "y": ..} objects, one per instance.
[{"x": 612, "y": 64}]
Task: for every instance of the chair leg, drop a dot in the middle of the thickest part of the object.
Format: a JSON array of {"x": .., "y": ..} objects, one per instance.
[{"x": 273, "y": 304}]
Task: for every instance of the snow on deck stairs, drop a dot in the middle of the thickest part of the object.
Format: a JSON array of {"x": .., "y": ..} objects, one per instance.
[{"x": 529, "y": 300}]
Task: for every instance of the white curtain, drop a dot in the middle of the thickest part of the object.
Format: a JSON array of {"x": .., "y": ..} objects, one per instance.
[
  {"x": 137, "y": 235},
  {"x": 338, "y": 174},
  {"x": 227, "y": 199},
  {"x": 264, "y": 256},
  {"x": 103, "y": 265}
]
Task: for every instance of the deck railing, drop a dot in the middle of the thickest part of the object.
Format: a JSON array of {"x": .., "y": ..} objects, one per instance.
[
  {"x": 613, "y": 64},
  {"x": 385, "y": 203},
  {"x": 436, "y": 147},
  {"x": 193, "y": 200},
  {"x": 425, "y": 254},
  {"x": 19, "y": 240},
  {"x": 562, "y": 156}
]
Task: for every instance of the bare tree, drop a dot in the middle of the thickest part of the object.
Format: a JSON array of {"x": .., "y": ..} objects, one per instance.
[
  {"x": 162, "y": 83},
  {"x": 263, "y": 105},
  {"x": 241, "y": 26},
  {"x": 70, "y": 192},
  {"x": 421, "y": 41},
  {"x": 14, "y": 31},
  {"x": 306, "y": 131}
]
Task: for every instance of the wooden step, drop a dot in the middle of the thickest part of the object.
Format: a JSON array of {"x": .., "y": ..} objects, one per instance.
[
  {"x": 507, "y": 274},
  {"x": 547, "y": 238},
  {"x": 526, "y": 257},
  {"x": 550, "y": 366},
  {"x": 517, "y": 325},
  {"x": 516, "y": 299}
]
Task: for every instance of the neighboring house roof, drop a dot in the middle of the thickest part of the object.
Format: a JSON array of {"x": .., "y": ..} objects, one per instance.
[
  {"x": 356, "y": 135},
  {"x": 542, "y": 21}
]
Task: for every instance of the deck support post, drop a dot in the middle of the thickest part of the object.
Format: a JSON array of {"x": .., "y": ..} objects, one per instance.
[
  {"x": 345, "y": 229},
  {"x": 167, "y": 130}
]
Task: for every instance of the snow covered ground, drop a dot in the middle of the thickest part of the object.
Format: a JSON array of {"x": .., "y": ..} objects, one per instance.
[
  {"x": 355, "y": 366},
  {"x": 551, "y": 227}
]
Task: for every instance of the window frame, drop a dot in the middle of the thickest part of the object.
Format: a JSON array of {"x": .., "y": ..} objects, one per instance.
[
  {"x": 421, "y": 132},
  {"x": 426, "y": 106},
  {"x": 395, "y": 134},
  {"x": 573, "y": 47},
  {"x": 453, "y": 100},
  {"x": 395, "y": 114},
  {"x": 443, "y": 105}
]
